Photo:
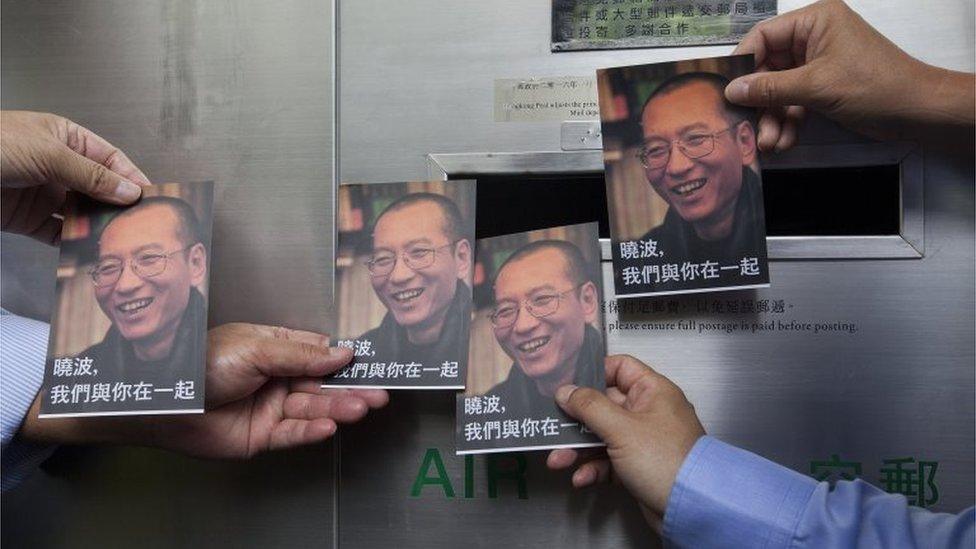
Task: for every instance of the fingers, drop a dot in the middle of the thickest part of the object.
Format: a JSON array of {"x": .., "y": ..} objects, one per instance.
[
  {"x": 596, "y": 468},
  {"x": 41, "y": 148},
  {"x": 288, "y": 358},
  {"x": 772, "y": 89},
  {"x": 791, "y": 123},
  {"x": 778, "y": 128},
  {"x": 780, "y": 60},
  {"x": 92, "y": 146},
  {"x": 779, "y": 46},
  {"x": 91, "y": 178},
  {"x": 787, "y": 136},
  {"x": 564, "y": 458},
  {"x": 753, "y": 42},
  {"x": 340, "y": 408},
  {"x": 310, "y": 385},
  {"x": 595, "y": 410},
  {"x": 561, "y": 458},
  {"x": 289, "y": 334},
  {"x": 297, "y": 432},
  {"x": 624, "y": 370},
  {"x": 633, "y": 387},
  {"x": 778, "y": 34},
  {"x": 308, "y": 418},
  {"x": 770, "y": 128},
  {"x": 592, "y": 472},
  {"x": 616, "y": 396},
  {"x": 375, "y": 398},
  {"x": 303, "y": 336},
  {"x": 652, "y": 518}
]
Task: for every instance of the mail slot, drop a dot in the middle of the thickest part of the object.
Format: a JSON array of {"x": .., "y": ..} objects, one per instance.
[
  {"x": 844, "y": 201},
  {"x": 841, "y": 201},
  {"x": 856, "y": 201}
]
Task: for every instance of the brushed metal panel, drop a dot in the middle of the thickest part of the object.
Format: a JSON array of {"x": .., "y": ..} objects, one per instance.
[
  {"x": 150, "y": 499},
  {"x": 239, "y": 92},
  {"x": 380, "y": 461},
  {"x": 235, "y": 92}
]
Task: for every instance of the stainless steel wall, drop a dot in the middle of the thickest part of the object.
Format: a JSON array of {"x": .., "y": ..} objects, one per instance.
[{"x": 239, "y": 92}]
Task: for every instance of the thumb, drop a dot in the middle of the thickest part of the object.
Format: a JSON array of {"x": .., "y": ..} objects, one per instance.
[
  {"x": 93, "y": 179},
  {"x": 594, "y": 409},
  {"x": 283, "y": 358},
  {"x": 772, "y": 89}
]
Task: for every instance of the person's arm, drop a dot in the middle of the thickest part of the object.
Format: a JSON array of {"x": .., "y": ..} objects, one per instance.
[
  {"x": 827, "y": 58},
  {"x": 41, "y": 157},
  {"x": 23, "y": 346},
  {"x": 700, "y": 492},
  {"x": 725, "y": 496}
]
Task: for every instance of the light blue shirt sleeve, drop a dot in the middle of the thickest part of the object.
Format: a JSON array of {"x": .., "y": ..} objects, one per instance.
[
  {"x": 23, "y": 349},
  {"x": 728, "y": 497}
]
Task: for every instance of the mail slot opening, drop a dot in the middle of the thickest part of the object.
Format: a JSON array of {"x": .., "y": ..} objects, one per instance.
[
  {"x": 839, "y": 201},
  {"x": 514, "y": 203},
  {"x": 847, "y": 201}
]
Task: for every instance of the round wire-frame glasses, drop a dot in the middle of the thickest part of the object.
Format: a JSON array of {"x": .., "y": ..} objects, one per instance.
[
  {"x": 416, "y": 258},
  {"x": 145, "y": 265},
  {"x": 656, "y": 153},
  {"x": 506, "y": 313}
]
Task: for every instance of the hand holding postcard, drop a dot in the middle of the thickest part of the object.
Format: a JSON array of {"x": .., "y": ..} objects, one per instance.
[
  {"x": 129, "y": 332},
  {"x": 537, "y": 327},
  {"x": 403, "y": 283},
  {"x": 683, "y": 179}
]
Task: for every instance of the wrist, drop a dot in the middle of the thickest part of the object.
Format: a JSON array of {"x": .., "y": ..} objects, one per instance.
[
  {"x": 660, "y": 504},
  {"x": 725, "y": 496},
  {"x": 943, "y": 97}
]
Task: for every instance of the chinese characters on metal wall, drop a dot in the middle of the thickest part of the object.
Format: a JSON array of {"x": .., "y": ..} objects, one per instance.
[{"x": 613, "y": 24}]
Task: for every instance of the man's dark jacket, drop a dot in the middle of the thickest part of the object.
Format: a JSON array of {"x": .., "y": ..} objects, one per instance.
[
  {"x": 679, "y": 242},
  {"x": 115, "y": 359},
  {"x": 522, "y": 399},
  {"x": 389, "y": 339},
  {"x": 679, "y": 245}
]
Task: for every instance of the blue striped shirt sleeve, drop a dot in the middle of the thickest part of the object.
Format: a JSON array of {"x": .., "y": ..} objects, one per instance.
[
  {"x": 727, "y": 497},
  {"x": 23, "y": 349}
]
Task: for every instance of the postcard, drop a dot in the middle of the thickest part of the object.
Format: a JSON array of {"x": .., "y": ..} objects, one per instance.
[
  {"x": 684, "y": 186},
  {"x": 404, "y": 259},
  {"x": 129, "y": 331},
  {"x": 537, "y": 326}
]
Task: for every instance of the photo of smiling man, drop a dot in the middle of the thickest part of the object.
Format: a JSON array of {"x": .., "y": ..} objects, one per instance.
[
  {"x": 683, "y": 179},
  {"x": 129, "y": 332},
  {"x": 403, "y": 283},
  {"x": 537, "y": 327}
]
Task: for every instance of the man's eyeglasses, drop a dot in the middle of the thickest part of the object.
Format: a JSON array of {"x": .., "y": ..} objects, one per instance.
[
  {"x": 383, "y": 263},
  {"x": 657, "y": 152},
  {"x": 145, "y": 265},
  {"x": 539, "y": 306}
]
